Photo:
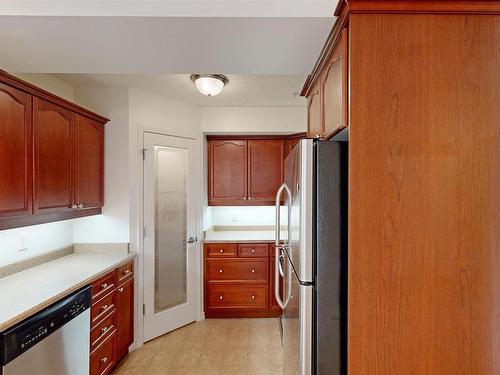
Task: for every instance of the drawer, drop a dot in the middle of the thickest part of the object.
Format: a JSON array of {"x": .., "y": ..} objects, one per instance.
[
  {"x": 102, "y": 358},
  {"x": 253, "y": 250},
  {"x": 237, "y": 296},
  {"x": 217, "y": 250},
  {"x": 102, "y": 330},
  {"x": 125, "y": 273},
  {"x": 238, "y": 270},
  {"x": 102, "y": 308},
  {"x": 103, "y": 286}
]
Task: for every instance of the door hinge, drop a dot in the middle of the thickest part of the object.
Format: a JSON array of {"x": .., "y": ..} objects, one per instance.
[
  {"x": 144, "y": 153},
  {"x": 143, "y": 309}
]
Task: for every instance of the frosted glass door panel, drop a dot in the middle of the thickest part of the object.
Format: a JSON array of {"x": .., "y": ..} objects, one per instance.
[{"x": 170, "y": 227}]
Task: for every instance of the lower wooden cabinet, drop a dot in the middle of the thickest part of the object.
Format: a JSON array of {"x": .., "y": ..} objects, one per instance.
[
  {"x": 239, "y": 280},
  {"x": 112, "y": 319}
]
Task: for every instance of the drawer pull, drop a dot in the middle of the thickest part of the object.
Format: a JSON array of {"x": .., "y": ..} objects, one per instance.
[
  {"x": 104, "y": 330},
  {"x": 253, "y": 297},
  {"x": 104, "y": 307},
  {"x": 221, "y": 297},
  {"x": 253, "y": 251},
  {"x": 120, "y": 290},
  {"x": 253, "y": 270},
  {"x": 126, "y": 272},
  {"x": 104, "y": 359},
  {"x": 221, "y": 251},
  {"x": 221, "y": 271},
  {"x": 104, "y": 286}
]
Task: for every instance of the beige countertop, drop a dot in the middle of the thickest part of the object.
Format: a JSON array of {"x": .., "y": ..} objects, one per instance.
[
  {"x": 241, "y": 236},
  {"x": 25, "y": 293}
]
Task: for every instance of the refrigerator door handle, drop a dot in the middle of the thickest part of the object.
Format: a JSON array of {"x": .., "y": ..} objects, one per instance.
[{"x": 278, "y": 270}]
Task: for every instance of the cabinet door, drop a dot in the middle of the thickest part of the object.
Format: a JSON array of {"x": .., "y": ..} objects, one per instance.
[
  {"x": 53, "y": 129},
  {"x": 15, "y": 152},
  {"x": 265, "y": 168},
  {"x": 227, "y": 171},
  {"x": 124, "y": 317},
  {"x": 89, "y": 162},
  {"x": 335, "y": 88},
  {"x": 314, "y": 113}
]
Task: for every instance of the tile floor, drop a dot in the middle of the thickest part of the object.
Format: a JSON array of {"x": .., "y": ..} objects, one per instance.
[{"x": 212, "y": 346}]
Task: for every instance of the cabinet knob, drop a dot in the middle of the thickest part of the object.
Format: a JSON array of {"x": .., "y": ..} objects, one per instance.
[
  {"x": 104, "y": 286},
  {"x": 74, "y": 207},
  {"x": 80, "y": 205},
  {"x": 253, "y": 251},
  {"x": 245, "y": 198},
  {"x": 104, "y": 307},
  {"x": 253, "y": 270},
  {"x": 104, "y": 330},
  {"x": 120, "y": 290},
  {"x": 221, "y": 271},
  {"x": 126, "y": 272},
  {"x": 253, "y": 297},
  {"x": 221, "y": 297},
  {"x": 104, "y": 359},
  {"x": 221, "y": 251}
]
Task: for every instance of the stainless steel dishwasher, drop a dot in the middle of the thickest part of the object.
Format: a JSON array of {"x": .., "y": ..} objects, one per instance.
[{"x": 54, "y": 341}]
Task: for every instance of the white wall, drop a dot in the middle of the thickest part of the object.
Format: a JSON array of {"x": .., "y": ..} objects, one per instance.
[
  {"x": 50, "y": 83},
  {"x": 20, "y": 243},
  {"x": 260, "y": 120},
  {"x": 243, "y": 216},
  {"x": 113, "y": 224}
]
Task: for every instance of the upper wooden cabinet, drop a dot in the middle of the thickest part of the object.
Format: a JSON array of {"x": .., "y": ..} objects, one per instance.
[
  {"x": 53, "y": 130},
  {"x": 327, "y": 92},
  {"x": 89, "y": 162},
  {"x": 246, "y": 171},
  {"x": 51, "y": 156},
  {"x": 15, "y": 153},
  {"x": 227, "y": 171},
  {"x": 265, "y": 168}
]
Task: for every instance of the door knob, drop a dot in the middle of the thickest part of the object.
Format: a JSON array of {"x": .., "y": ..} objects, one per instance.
[{"x": 191, "y": 240}]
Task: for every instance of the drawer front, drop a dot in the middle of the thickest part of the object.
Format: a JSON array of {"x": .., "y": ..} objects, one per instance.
[
  {"x": 237, "y": 296},
  {"x": 101, "y": 308},
  {"x": 238, "y": 270},
  {"x": 102, "y": 330},
  {"x": 125, "y": 273},
  {"x": 101, "y": 359},
  {"x": 217, "y": 250},
  {"x": 103, "y": 286},
  {"x": 253, "y": 250}
]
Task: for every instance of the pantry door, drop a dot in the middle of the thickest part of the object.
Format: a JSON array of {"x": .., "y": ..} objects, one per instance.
[{"x": 169, "y": 234}]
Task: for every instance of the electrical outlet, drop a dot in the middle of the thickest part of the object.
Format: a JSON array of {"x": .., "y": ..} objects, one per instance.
[{"x": 234, "y": 218}]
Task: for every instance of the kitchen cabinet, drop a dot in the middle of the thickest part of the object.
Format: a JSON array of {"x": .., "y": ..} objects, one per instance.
[
  {"x": 112, "y": 319},
  {"x": 265, "y": 168},
  {"x": 15, "y": 153},
  {"x": 53, "y": 136},
  {"x": 89, "y": 163},
  {"x": 272, "y": 299},
  {"x": 246, "y": 171},
  {"x": 238, "y": 280},
  {"x": 52, "y": 156},
  {"x": 315, "y": 127},
  {"x": 227, "y": 171}
]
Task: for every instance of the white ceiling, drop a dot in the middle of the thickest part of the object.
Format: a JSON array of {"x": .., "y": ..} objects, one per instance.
[
  {"x": 170, "y": 8},
  {"x": 268, "y": 90},
  {"x": 167, "y": 45}
]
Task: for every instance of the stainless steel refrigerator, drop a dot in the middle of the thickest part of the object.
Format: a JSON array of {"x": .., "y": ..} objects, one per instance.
[{"x": 311, "y": 254}]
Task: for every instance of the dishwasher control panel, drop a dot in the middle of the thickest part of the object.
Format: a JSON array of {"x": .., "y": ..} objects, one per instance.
[{"x": 34, "y": 329}]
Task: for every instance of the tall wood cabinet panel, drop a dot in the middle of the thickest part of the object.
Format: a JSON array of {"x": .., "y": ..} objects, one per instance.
[
  {"x": 265, "y": 168},
  {"x": 15, "y": 152},
  {"x": 53, "y": 136},
  {"x": 227, "y": 171},
  {"x": 89, "y": 162},
  {"x": 125, "y": 317}
]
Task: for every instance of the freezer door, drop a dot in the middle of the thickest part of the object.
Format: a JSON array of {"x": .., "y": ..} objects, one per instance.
[{"x": 297, "y": 320}]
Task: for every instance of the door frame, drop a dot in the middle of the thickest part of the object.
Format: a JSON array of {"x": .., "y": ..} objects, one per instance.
[{"x": 139, "y": 229}]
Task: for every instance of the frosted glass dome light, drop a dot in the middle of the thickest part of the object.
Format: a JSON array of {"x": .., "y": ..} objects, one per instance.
[{"x": 209, "y": 84}]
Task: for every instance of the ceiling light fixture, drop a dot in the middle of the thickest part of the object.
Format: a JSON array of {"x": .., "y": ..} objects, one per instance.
[{"x": 209, "y": 84}]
